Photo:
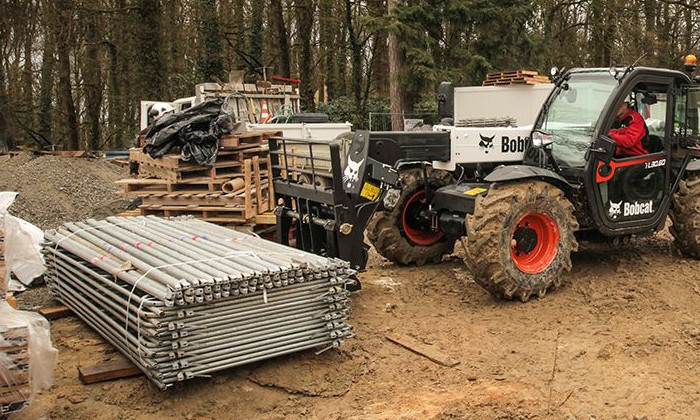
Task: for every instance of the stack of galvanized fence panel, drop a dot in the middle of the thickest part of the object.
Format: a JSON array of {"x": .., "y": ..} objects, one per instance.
[{"x": 183, "y": 298}]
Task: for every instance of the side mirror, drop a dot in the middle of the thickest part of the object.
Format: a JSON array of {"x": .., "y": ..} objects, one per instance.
[{"x": 604, "y": 148}]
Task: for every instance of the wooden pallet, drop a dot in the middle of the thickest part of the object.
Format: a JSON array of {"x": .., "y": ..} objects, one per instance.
[
  {"x": 255, "y": 171},
  {"x": 173, "y": 161},
  {"x": 206, "y": 213},
  {"x": 165, "y": 198},
  {"x": 251, "y": 138},
  {"x": 515, "y": 77},
  {"x": 174, "y": 170},
  {"x": 219, "y": 199},
  {"x": 15, "y": 389}
]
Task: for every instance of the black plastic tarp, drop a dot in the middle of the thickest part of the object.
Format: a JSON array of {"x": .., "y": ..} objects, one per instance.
[{"x": 194, "y": 131}]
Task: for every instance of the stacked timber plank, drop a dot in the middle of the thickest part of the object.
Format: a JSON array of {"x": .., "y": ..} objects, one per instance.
[
  {"x": 15, "y": 389},
  {"x": 183, "y": 298},
  {"x": 235, "y": 189},
  {"x": 515, "y": 77}
]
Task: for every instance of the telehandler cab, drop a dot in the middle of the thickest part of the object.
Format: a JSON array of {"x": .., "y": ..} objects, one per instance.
[{"x": 416, "y": 194}]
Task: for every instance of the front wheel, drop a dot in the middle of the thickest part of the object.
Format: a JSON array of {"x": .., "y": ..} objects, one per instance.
[
  {"x": 403, "y": 235},
  {"x": 520, "y": 238}
]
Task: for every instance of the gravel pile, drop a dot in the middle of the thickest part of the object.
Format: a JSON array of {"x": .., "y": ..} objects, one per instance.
[{"x": 54, "y": 190}]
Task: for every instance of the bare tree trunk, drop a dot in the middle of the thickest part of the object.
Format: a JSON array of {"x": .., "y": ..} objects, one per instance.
[
  {"x": 211, "y": 64},
  {"x": 395, "y": 87},
  {"x": 63, "y": 26},
  {"x": 27, "y": 74},
  {"x": 46, "y": 84},
  {"x": 282, "y": 38},
  {"x": 328, "y": 24},
  {"x": 92, "y": 76},
  {"x": 356, "y": 60},
  {"x": 150, "y": 78},
  {"x": 306, "y": 20},
  {"x": 6, "y": 130},
  {"x": 255, "y": 37}
]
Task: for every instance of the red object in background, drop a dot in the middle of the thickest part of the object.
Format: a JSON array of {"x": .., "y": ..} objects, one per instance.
[
  {"x": 265, "y": 113},
  {"x": 285, "y": 79}
]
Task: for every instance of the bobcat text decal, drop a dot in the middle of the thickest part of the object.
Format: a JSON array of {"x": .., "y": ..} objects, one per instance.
[
  {"x": 630, "y": 209},
  {"x": 512, "y": 145}
]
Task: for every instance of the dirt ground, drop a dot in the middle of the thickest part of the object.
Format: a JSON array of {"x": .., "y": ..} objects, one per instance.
[{"x": 620, "y": 341}]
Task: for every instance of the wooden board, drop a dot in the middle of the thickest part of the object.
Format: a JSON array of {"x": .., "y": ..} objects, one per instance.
[
  {"x": 11, "y": 300},
  {"x": 422, "y": 349},
  {"x": 146, "y": 186},
  {"x": 55, "y": 312},
  {"x": 208, "y": 214},
  {"x": 265, "y": 219},
  {"x": 107, "y": 371},
  {"x": 205, "y": 199}
]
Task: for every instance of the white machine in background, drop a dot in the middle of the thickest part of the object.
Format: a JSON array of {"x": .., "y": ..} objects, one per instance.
[{"x": 492, "y": 123}]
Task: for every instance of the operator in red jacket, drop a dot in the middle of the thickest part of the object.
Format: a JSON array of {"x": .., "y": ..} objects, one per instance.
[{"x": 630, "y": 129}]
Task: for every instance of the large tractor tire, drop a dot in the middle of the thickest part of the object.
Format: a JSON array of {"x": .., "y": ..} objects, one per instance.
[
  {"x": 397, "y": 234},
  {"x": 520, "y": 239},
  {"x": 685, "y": 216}
]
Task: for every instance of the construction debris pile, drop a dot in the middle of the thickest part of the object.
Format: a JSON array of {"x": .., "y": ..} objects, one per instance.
[
  {"x": 15, "y": 390},
  {"x": 27, "y": 357},
  {"x": 194, "y": 131},
  {"x": 183, "y": 298},
  {"x": 515, "y": 77},
  {"x": 234, "y": 189}
]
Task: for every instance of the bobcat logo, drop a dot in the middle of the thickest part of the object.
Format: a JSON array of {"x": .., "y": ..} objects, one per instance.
[
  {"x": 351, "y": 173},
  {"x": 614, "y": 209},
  {"x": 486, "y": 142}
]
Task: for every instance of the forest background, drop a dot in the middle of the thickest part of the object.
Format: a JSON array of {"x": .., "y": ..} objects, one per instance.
[{"x": 72, "y": 72}]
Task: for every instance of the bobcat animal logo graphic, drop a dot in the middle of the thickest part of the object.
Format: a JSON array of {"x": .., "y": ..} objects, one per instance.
[
  {"x": 614, "y": 209},
  {"x": 352, "y": 173},
  {"x": 486, "y": 142}
]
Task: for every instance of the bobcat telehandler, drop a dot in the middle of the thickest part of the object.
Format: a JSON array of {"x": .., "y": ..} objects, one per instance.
[{"x": 415, "y": 194}]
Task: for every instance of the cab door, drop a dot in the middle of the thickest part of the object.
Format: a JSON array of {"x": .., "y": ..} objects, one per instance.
[
  {"x": 631, "y": 194},
  {"x": 686, "y": 117}
]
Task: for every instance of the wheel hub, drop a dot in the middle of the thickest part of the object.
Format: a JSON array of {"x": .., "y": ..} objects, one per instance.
[
  {"x": 415, "y": 221},
  {"x": 525, "y": 239},
  {"x": 534, "y": 242}
]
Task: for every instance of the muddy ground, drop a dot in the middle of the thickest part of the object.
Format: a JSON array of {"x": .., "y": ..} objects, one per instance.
[{"x": 620, "y": 341}]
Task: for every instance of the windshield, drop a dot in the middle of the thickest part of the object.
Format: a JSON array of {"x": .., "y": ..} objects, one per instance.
[{"x": 573, "y": 113}]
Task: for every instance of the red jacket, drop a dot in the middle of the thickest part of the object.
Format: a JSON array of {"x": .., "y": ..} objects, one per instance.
[{"x": 629, "y": 136}]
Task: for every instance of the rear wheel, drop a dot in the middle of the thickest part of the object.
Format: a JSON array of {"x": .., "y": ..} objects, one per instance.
[
  {"x": 685, "y": 216},
  {"x": 403, "y": 235},
  {"x": 520, "y": 238}
]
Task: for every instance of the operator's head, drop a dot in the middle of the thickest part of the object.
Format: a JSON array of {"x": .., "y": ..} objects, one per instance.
[{"x": 624, "y": 106}]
